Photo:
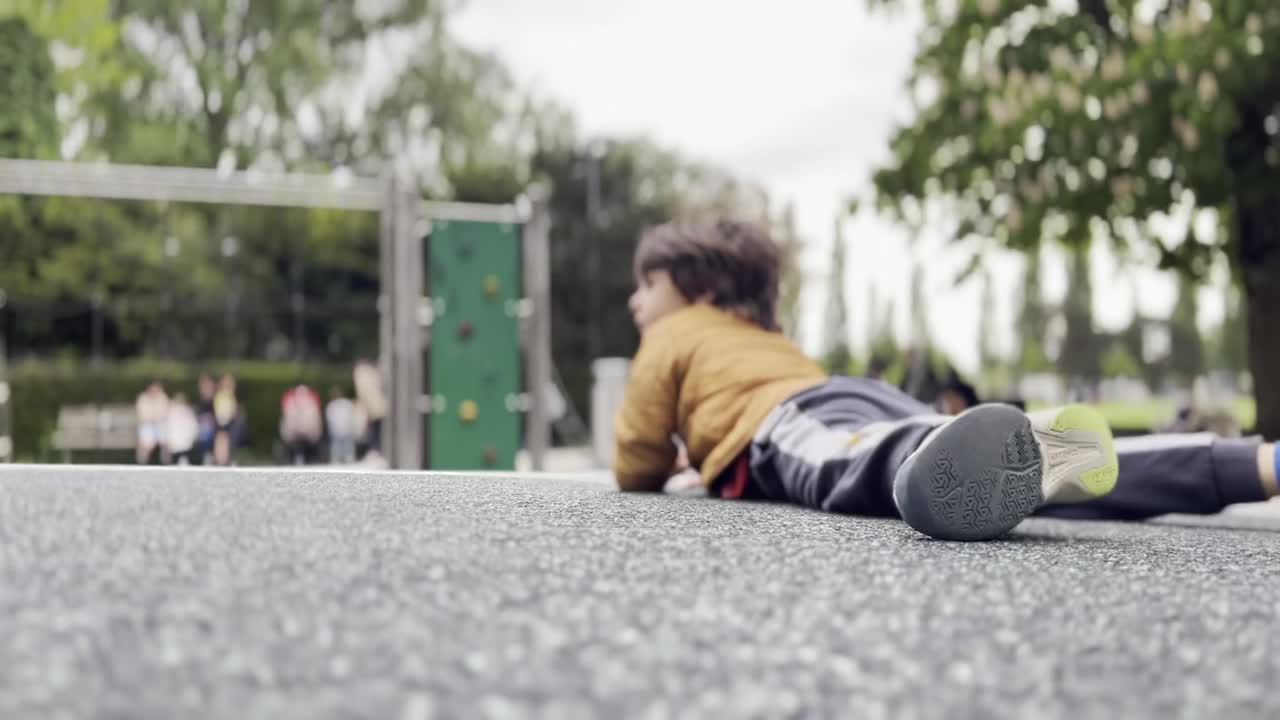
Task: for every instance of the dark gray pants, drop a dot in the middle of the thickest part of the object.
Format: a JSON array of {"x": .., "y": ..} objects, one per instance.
[{"x": 836, "y": 447}]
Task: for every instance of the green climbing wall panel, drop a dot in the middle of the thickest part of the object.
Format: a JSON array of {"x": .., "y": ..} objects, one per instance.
[{"x": 473, "y": 360}]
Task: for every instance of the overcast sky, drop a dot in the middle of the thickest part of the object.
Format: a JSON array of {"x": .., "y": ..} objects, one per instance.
[{"x": 801, "y": 96}]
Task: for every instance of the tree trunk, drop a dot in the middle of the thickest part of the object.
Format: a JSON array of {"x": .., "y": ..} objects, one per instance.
[{"x": 1259, "y": 259}]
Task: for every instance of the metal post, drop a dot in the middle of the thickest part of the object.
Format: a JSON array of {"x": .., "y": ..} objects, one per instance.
[
  {"x": 386, "y": 309},
  {"x": 595, "y": 342},
  {"x": 537, "y": 278},
  {"x": 407, "y": 346}
]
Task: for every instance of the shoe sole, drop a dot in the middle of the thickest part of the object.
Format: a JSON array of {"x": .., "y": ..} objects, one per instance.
[
  {"x": 1079, "y": 452},
  {"x": 977, "y": 478},
  {"x": 991, "y": 467}
]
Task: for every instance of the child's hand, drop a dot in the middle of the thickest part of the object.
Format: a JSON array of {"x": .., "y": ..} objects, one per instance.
[
  {"x": 687, "y": 483},
  {"x": 682, "y": 460},
  {"x": 683, "y": 479}
]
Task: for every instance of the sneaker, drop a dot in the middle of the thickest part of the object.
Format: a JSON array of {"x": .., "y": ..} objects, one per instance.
[{"x": 984, "y": 472}]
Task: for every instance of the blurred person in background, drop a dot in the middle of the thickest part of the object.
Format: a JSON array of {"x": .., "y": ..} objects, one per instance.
[
  {"x": 301, "y": 424},
  {"x": 956, "y": 396},
  {"x": 373, "y": 401},
  {"x": 1201, "y": 415},
  {"x": 360, "y": 428},
  {"x": 208, "y": 423},
  {"x": 153, "y": 413},
  {"x": 877, "y": 367},
  {"x": 230, "y": 421},
  {"x": 182, "y": 430},
  {"x": 339, "y": 416},
  {"x": 919, "y": 380}
]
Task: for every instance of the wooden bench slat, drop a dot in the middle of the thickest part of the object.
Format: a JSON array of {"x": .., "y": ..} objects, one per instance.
[{"x": 93, "y": 427}]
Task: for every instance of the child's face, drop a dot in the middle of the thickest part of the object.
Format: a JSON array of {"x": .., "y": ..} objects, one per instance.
[{"x": 656, "y": 296}]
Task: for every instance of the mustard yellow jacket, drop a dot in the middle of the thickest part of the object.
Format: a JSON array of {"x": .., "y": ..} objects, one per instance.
[{"x": 709, "y": 377}]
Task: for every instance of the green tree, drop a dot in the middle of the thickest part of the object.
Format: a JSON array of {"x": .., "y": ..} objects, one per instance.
[
  {"x": 1032, "y": 318},
  {"x": 923, "y": 373},
  {"x": 1118, "y": 362},
  {"x": 640, "y": 185},
  {"x": 92, "y": 57},
  {"x": 238, "y": 73},
  {"x": 29, "y": 124},
  {"x": 921, "y": 335},
  {"x": 1186, "y": 348},
  {"x": 1153, "y": 369},
  {"x": 287, "y": 85},
  {"x": 792, "y": 281},
  {"x": 836, "y": 355},
  {"x": 1229, "y": 346},
  {"x": 267, "y": 84},
  {"x": 28, "y": 129},
  {"x": 1050, "y": 119},
  {"x": 883, "y": 348},
  {"x": 988, "y": 355},
  {"x": 1081, "y": 356},
  {"x": 307, "y": 84}
]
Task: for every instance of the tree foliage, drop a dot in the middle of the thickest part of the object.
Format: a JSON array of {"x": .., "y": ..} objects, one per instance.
[
  {"x": 988, "y": 355},
  {"x": 1085, "y": 111},
  {"x": 1032, "y": 318},
  {"x": 837, "y": 356},
  {"x": 883, "y": 349},
  {"x": 641, "y": 185},
  {"x": 1228, "y": 346},
  {"x": 1082, "y": 347},
  {"x": 1118, "y": 362},
  {"x": 1186, "y": 348},
  {"x": 28, "y": 127},
  {"x": 1058, "y": 120},
  {"x": 310, "y": 86},
  {"x": 791, "y": 282}
]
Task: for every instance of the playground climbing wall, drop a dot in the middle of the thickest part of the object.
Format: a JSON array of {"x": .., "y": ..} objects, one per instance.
[{"x": 473, "y": 365}]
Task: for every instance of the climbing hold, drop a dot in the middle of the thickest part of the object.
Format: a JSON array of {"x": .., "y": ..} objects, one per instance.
[
  {"x": 491, "y": 285},
  {"x": 468, "y": 411},
  {"x": 466, "y": 330}
]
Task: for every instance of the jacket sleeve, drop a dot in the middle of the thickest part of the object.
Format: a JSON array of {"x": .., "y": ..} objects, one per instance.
[{"x": 643, "y": 451}]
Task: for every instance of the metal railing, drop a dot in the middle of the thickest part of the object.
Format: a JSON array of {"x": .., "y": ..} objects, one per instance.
[{"x": 338, "y": 190}]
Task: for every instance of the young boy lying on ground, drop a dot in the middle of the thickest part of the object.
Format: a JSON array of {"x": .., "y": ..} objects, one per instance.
[{"x": 761, "y": 420}]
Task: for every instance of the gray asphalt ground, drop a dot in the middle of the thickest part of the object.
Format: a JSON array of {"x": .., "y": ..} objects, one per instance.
[{"x": 128, "y": 593}]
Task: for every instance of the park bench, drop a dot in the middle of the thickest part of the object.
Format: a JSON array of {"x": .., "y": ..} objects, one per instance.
[{"x": 95, "y": 427}]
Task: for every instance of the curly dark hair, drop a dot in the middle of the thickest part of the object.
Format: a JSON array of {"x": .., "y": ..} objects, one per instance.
[{"x": 735, "y": 262}]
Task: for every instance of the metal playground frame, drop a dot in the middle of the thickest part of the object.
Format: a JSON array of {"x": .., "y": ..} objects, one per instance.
[{"x": 404, "y": 311}]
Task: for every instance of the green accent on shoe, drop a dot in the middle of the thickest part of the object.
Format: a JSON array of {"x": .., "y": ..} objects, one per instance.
[{"x": 1101, "y": 480}]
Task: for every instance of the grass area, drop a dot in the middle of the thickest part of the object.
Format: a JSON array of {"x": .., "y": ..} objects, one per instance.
[{"x": 1158, "y": 411}]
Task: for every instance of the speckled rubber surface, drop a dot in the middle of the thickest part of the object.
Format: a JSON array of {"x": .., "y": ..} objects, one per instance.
[
  {"x": 976, "y": 479},
  {"x": 274, "y": 594}
]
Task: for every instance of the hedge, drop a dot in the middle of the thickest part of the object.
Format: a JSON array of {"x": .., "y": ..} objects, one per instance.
[{"x": 39, "y": 388}]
